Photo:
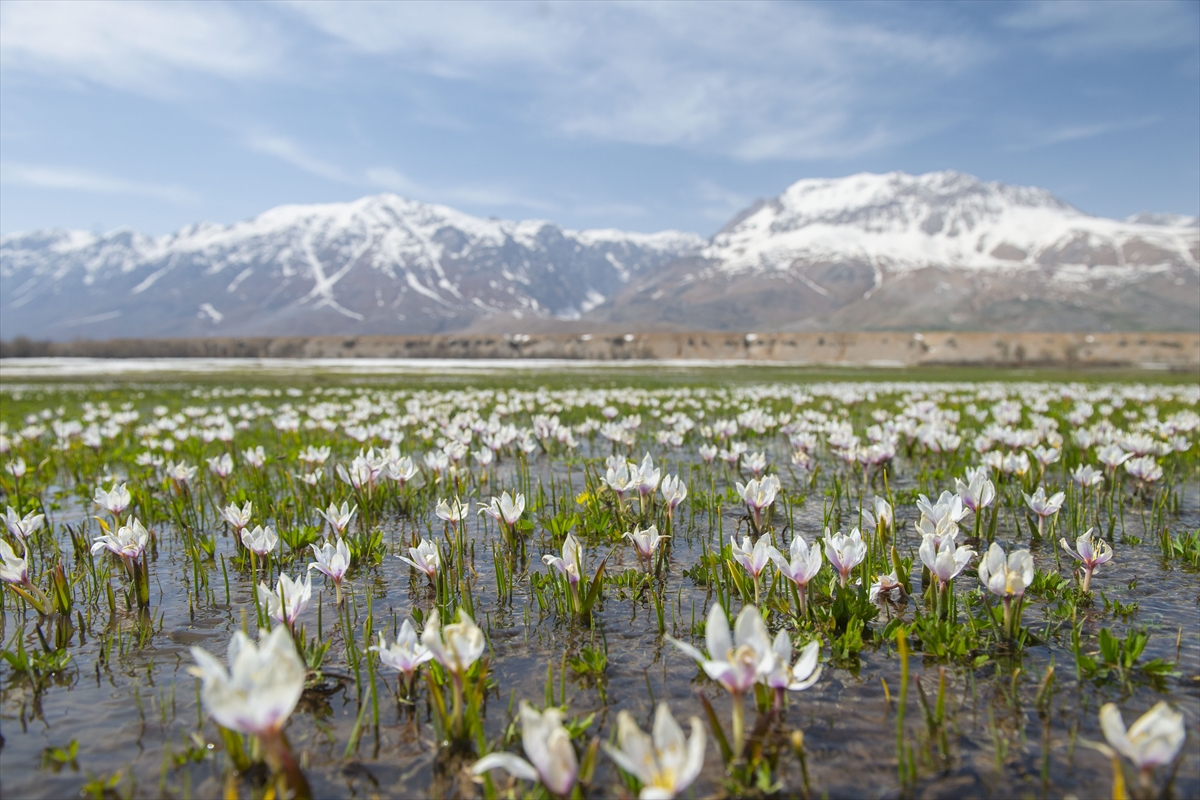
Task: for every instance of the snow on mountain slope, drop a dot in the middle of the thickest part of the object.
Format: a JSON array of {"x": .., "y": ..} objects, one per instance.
[
  {"x": 937, "y": 251},
  {"x": 942, "y": 250},
  {"x": 381, "y": 264},
  {"x": 945, "y": 219}
]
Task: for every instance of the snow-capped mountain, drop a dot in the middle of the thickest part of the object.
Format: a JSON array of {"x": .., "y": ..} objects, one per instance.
[
  {"x": 381, "y": 264},
  {"x": 937, "y": 251},
  {"x": 941, "y": 250}
]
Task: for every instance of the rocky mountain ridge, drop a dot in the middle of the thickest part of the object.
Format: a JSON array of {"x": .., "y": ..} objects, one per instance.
[{"x": 937, "y": 251}]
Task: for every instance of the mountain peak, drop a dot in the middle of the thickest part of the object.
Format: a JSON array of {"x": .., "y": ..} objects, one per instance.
[{"x": 947, "y": 218}]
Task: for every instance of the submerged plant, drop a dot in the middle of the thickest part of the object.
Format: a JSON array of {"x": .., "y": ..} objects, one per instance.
[
  {"x": 256, "y": 695},
  {"x": 736, "y": 661},
  {"x": 456, "y": 647},
  {"x": 664, "y": 762},
  {"x": 405, "y": 655},
  {"x": 803, "y": 566},
  {"x": 1091, "y": 552},
  {"x": 1153, "y": 740},
  {"x": 1007, "y": 578},
  {"x": 129, "y": 542},
  {"x": 332, "y": 562},
  {"x": 14, "y": 571}
]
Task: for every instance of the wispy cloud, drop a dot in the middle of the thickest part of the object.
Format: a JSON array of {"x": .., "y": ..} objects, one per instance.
[
  {"x": 291, "y": 152},
  {"x": 1087, "y": 29},
  {"x": 145, "y": 47},
  {"x": 392, "y": 180},
  {"x": 720, "y": 203},
  {"x": 1075, "y": 133},
  {"x": 69, "y": 179},
  {"x": 751, "y": 80}
]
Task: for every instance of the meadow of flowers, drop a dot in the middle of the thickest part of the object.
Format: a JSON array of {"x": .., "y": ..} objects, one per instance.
[{"x": 838, "y": 589}]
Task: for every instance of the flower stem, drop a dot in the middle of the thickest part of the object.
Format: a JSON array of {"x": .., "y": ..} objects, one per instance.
[
  {"x": 739, "y": 725},
  {"x": 282, "y": 764}
]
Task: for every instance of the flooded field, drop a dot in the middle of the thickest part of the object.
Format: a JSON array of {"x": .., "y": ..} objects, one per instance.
[{"x": 479, "y": 587}]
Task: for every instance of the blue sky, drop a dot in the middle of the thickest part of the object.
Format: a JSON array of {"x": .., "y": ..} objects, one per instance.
[{"x": 640, "y": 116}]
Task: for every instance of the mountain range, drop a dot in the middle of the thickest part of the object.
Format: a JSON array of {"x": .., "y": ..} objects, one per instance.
[{"x": 937, "y": 251}]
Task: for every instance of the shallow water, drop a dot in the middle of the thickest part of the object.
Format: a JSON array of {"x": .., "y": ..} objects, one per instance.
[{"x": 135, "y": 712}]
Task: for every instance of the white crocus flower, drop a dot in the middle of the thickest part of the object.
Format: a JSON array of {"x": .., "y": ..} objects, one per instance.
[
  {"x": 845, "y": 552},
  {"x": 1007, "y": 578},
  {"x": 738, "y": 661},
  {"x": 1046, "y": 456},
  {"x": 665, "y": 762},
  {"x": 339, "y": 518},
  {"x": 884, "y": 516},
  {"x": 255, "y": 457},
  {"x": 261, "y": 540},
  {"x": 221, "y": 466},
  {"x": 332, "y": 562},
  {"x": 547, "y": 745},
  {"x": 506, "y": 508},
  {"x": 128, "y": 542},
  {"x": 755, "y": 462},
  {"x": 674, "y": 492},
  {"x": 948, "y": 507},
  {"x": 287, "y": 603},
  {"x": 798, "y": 677},
  {"x": 977, "y": 492},
  {"x": 1155, "y": 739},
  {"x": 314, "y": 455},
  {"x": 753, "y": 557},
  {"x": 1015, "y": 464},
  {"x": 22, "y": 527},
  {"x": 648, "y": 476},
  {"x": 1112, "y": 456},
  {"x": 405, "y": 654},
  {"x": 622, "y": 477},
  {"x": 453, "y": 512},
  {"x": 944, "y": 562},
  {"x": 401, "y": 470},
  {"x": 1145, "y": 469},
  {"x": 645, "y": 542},
  {"x": 180, "y": 473},
  {"x": 13, "y": 568},
  {"x": 259, "y": 691},
  {"x": 571, "y": 562},
  {"x": 888, "y": 585},
  {"x": 1086, "y": 476},
  {"x": 115, "y": 500},
  {"x": 426, "y": 557},
  {"x": 1091, "y": 551},
  {"x": 238, "y": 518},
  {"x": 456, "y": 646},
  {"x": 1044, "y": 506},
  {"x": 803, "y": 566},
  {"x": 759, "y": 495}
]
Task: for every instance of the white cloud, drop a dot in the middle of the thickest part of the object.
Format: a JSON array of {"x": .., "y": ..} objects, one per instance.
[
  {"x": 144, "y": 47},
  {"x": 1075, "y": 133},
  {"x": 392, "y": 180},
  {"x": 66, "y": 178},
  {"x": 287, "y": 150},
  {"x": 1074, "y": 28},
  {"x": 720, "y": 203},
  {"x": 752, "y": 80}
]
